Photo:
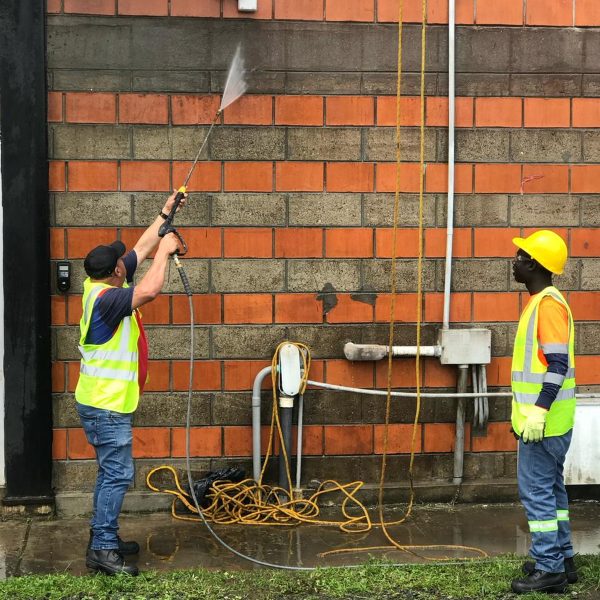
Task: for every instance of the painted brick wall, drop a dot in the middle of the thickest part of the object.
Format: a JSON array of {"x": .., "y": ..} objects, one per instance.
[{"x": 290, "y": 211}]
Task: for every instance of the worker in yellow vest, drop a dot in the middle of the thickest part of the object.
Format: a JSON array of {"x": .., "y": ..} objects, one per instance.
[
  {"x": 112, "y": 375},
  {"x": 543, "y": 410}
]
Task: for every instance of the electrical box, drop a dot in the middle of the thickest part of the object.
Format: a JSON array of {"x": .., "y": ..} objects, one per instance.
[
  {"x": 247, "y": 5},
  {"x": 465, "y": 346},
  {"x": 290, "y": 376}
]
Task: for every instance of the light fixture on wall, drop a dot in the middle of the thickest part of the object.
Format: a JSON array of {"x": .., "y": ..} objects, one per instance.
[{"x": 247, "y": 5}]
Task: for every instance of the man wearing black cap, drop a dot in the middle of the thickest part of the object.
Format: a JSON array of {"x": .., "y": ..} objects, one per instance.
[{"x": 114, "y": 366}]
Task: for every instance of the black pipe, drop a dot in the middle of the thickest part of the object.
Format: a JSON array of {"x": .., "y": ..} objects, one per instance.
[{"x": 285, "y": 418}]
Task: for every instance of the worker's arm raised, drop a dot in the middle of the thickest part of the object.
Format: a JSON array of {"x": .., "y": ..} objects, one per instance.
[
  {"x": 151, "y": 284},
  {"x": 149, "y": 240}
]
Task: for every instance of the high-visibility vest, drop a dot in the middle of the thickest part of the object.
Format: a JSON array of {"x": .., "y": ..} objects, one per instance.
[
  {"x": 529, "y": 373},
  {"x": 108, "y": 374}
]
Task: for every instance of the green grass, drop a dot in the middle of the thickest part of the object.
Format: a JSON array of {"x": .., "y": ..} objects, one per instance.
[{"x": 377, "y": 580}]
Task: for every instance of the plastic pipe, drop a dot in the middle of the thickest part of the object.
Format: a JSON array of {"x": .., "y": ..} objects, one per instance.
[
  {"x": 459, "y": 442},
  {"x": 299, "y": 441},
  {"x": 286, "y": 408},
  {"x": 451, "y": 122},
  {"x": 258, "y": 381},
  {"x": 378, "y": 352}
]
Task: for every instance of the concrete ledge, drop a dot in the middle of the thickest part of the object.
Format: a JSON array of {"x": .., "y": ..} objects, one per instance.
[{"x": 72, "y": 504}]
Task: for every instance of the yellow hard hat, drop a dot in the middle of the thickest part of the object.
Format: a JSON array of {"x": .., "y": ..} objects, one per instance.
[{"x": 547, "y": 247}]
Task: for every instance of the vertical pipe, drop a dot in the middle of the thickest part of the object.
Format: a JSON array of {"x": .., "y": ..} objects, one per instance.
[
  {"x": 299, "y": 441},
  {"x": 286, "y": 408},
  {"x": 459, "y": 442},
  {"x": 256, "y": 421},
  {"x": 451, "y": 120}
]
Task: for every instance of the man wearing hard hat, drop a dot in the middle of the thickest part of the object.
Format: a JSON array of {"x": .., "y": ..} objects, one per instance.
[{"x": 543, "y": 410}]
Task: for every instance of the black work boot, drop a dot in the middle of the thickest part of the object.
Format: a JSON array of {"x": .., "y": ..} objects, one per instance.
[
  {"x": 570, "y": 569},
  {"x": 109, "y": 562},
  {"x": 541, "y": 581},
  {"x": 125, "y": 548}
]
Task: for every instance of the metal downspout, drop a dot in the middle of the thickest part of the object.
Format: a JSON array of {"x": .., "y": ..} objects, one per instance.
[{"x": 459, "y": 442}]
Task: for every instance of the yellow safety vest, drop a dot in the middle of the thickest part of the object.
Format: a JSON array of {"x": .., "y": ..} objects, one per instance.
[
  {"x": 529, "y": 373},
  {"x": 108, "y": 375}
]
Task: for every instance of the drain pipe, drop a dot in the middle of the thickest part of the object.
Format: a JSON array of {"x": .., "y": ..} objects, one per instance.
[
  {"x": 451, "y": 159},
  {"x": 459, "y": 441},
  {"x": 378, "y": 352},
  {"x": 258, "y": 381}
]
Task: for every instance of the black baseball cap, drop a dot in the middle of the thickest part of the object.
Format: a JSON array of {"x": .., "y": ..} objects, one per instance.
[{"x": 102, "y": 260}]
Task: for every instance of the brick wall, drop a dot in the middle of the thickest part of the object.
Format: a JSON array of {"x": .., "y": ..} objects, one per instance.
[{"x": 289, "y": 220}]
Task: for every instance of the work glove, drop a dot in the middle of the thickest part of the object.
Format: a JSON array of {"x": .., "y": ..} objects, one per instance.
[{"x": 534, "y": 426}]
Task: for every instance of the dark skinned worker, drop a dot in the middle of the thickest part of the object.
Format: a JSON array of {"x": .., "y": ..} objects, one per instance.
[
  {"x": 543, "y": 411},
  {"x": 113, "y": 371}
]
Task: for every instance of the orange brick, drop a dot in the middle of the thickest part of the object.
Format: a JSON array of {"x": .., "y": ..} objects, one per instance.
[
  {"x": 58, "y": 377},
  {"x": 88, "y": 176},
  {"x": 299, "y": 243},
  {"x": 202, "y": 242},
  {"x": 349, "y": 310},
  {"x": 143, "y": 108},
  {"x": 151, "y": 442},
  {"x": 399, "y": 438},
  {"x": 74, "y": 309},
  {"x": 248, "y": 177},
  {"x": 240, "y": 374},
  {"x": 585, "y": 305},
  {"x": 410, "y": 111},
  {"x": 94, "y": 107},
  {"x": 409, "y": 177},
  {"x": 205, "y": 178},
  {"x": 300, "y": 10},
  {"x": 237, "y": 441},
  {"x": 154, "y": 8},
  {"x": 90, "y": 7},
  {"x": 585, "y": 242},
  {"x": 549, "y": 179},
  {"x": 248, "y": 243},
  {"x": 350, "y": 110},
  {"x": 298, "y": 308},
  {"x": 440, "y": 437},
  {"x": 55, "y": 111},
  {"x": 204, "y": 441},
  {"x": 498, "y": 112},
  {"x": 193, "y": 8},
  {"x": 499, "y": 371},
  {"x": 495, "y": 241},
  {"x": 586, "y": 112},
  {"x": 493, "y": 307},
  {"x": 53, "y": 6},
  {"x": 158, "y": 376},
  {"x": 435, "y": 242},
  {"x": 405, "y": 308},
  {"x": 498, "y": 439},
  {"x": 585, "y": 179},
  {"x": 460, "y": 307},
  {"x": 312, "y": 440},
  {"x": 437, "y": 112},
  {"x": 59, "y": 444},
  {"x": 437, "y": 11},
  {"x": 78, "y": 446},
  {"x": 348, "y": 439},
  {"x": 557, "y": 13},
  {"x": 57, "y": 242},
  {"x": 547, "y": 112},
  {"x": 298, "y": 110},
  {"x": 587, "y": 13},
  {"x": 81, "y": 241},
  {"x": 350, "y": 10},
  {"x": 230, "y": 10},
  {"x": 299, "y": 176},
  {"x": 72, "y": 375},
  {"x": 207, "y": 375},
  {"x": 437, "y": 375},
  {"x": 147, "y": 176},
  {"x": 492, "y": 12},
  {"x": 403, "y": 373},
  {"x": 56, "y": 176},
  {"x": 192, "y": 110},
  {"x": 350, "y": 177},
  {"x": 407, "y": 243},
  {"x": 248, "y": 308},
  {"x": 353, "y": 374},
  {"x": 207, "y": 309},
  {"x": 131, "y": 235},
  {"x": 250, "y": 110},
  {"x": 588, "y": 370},
  {"x": 157, "y": 312},
  {"x": 349, "y": 243},
  {"x": 436, "y": 176},
  {"x": 497, "y": 179}
]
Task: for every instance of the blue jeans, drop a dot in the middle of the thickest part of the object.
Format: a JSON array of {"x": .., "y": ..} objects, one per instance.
[
  {"x": 543, "y": 494},
  {"x": 110, "y": 434}
]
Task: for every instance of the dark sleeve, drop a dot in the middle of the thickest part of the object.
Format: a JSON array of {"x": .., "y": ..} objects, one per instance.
[
  {"x": 130, "y": 260},
  {"x": 558, "y": 365},
  {"x": 113, "y": 305}
]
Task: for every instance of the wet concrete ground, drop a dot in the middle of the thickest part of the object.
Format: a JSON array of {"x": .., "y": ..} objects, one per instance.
[{"x": 51, "y": 546}]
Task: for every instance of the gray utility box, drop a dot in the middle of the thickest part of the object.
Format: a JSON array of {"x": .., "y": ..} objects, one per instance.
[{"x": 465, "y": 346}]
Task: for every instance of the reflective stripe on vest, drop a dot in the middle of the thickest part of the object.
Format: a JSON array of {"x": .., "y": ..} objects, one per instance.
[{"x": 529, "y": 373}]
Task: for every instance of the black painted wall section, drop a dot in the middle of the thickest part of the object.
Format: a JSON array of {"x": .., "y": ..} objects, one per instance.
[{"x": 28, "y": 407}]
